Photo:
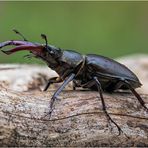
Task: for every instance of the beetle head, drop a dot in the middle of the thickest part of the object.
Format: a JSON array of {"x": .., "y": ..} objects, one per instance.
[
  {"x": 44, "y": 51},
  {"x": 50, "y": 50}
]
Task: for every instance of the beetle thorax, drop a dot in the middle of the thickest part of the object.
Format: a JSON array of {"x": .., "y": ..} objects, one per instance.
[{"x": 69, "y": 62}]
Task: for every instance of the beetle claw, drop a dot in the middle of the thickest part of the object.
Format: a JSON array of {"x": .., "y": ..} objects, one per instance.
[
  {"x": 6, "y": 52},
  {"x": 36, "y": 49}
]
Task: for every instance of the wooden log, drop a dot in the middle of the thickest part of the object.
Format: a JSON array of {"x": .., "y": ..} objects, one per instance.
[{"x": 77, "y": 119}]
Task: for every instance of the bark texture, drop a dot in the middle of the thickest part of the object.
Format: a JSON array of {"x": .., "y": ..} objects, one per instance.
[{"x": 77, "y": 118}]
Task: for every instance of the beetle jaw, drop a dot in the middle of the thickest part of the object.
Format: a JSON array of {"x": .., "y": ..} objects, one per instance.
[
  {"x": 36, "y": 50},
  {"x": 7, "y": 52}
]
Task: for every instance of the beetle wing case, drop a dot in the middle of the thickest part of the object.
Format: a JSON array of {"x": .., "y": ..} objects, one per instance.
[{"x": 110, "y": 68}]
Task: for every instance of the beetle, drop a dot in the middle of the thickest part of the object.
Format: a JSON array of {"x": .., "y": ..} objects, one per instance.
[{"x": 91, "y": 71}]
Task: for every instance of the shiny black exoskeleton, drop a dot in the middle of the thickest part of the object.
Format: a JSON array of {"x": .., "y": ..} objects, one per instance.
[{"x": 88, "y": 71}]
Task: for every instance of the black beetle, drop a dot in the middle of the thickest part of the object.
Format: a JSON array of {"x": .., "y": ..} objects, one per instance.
[{"x": 87, "y": 71}]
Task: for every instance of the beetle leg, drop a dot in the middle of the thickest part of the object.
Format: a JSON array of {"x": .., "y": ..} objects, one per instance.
[
  {"x": 74, "y": 85},
  {"x": 104, "y": 106},
  {"x": 70, "y": 78},
  {"x": 84, "y": 85},
  {"x": 136, "y": 94},
  {"x": 89, "y": 84},
  {"x": 51, "y": 81}
]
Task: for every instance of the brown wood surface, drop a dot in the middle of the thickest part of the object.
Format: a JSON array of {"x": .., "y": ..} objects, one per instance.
[{"x": 77, "y": 119}]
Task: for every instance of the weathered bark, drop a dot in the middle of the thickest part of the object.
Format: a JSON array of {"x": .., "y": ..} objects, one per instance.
[{"x": 77, "y": 119}]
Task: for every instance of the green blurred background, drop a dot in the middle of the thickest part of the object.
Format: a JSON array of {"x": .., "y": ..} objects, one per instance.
[{"x": 111, "y": 29}]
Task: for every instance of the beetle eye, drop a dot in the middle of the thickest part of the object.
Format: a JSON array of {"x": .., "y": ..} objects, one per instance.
[
  {"x": 51, "y": 52},
  {"x": 47, "y": 49}
]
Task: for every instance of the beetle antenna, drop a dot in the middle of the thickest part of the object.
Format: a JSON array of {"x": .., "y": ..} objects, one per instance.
[
  {"x": 17, "y": 32},
  {"x": 45, "y": 38}
]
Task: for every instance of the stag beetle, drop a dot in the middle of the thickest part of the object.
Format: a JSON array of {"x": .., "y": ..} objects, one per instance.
[{"x": 90, "y": 71}]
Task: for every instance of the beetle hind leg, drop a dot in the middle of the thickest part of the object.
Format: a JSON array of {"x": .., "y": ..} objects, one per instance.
[
  {"x": 104, "y": 106},
  {"x": 136, "y": 94}
]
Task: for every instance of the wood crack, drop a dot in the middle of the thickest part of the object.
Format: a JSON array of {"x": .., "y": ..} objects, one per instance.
[{"x": 75, "y": 115}]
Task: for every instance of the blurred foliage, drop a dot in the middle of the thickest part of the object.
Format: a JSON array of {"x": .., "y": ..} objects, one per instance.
[{"x": 108, "y": 28}]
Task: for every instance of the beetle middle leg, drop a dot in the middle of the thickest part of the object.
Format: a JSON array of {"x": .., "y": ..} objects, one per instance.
[
  {"x": 104, "y": 106},
  {"x": 93, "y": 82},
  {"x": 70, "y": 78}
]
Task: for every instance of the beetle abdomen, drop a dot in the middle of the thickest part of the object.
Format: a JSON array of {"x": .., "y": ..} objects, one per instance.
[{"x": 110, "y": 69}]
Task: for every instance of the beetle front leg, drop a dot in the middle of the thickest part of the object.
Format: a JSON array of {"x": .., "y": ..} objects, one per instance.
[
  {"x": 104, "y": 106},
  {"x": 70, "y": 78},
  {"x": 51, "y": 81}
]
